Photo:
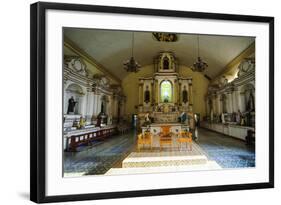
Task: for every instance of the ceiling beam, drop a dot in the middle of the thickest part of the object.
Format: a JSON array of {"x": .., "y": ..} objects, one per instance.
[{"x": 76, "y": 49}]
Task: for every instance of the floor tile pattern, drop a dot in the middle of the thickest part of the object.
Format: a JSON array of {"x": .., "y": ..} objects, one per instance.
[{"x": 103, "y": 155}]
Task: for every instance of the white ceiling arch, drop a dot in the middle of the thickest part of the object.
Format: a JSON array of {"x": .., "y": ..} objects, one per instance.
[{"x": 111, "y": 48}]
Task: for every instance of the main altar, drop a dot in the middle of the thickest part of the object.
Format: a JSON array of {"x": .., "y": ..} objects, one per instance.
[{"x": 165, "y": 96}]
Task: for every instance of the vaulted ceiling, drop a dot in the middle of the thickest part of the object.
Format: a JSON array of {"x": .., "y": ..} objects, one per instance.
[{"x": 112, "y": 48}]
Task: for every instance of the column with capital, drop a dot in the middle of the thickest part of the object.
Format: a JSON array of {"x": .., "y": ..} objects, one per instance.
[
  {"x": 190, "y": 94},
  {"x": 214, "y": 103},
  {"x": 140, "y": 93},
  {"x": 179, "y": 92},
  {"x": 89, "y": 104},
  {"x": 156, "y": 93},
  {"x": 114, "y": 106},
  {"x": 175, "y": 92},
  {"x": 152, "y": 100},
  {"x": 229, "y": 102},
  {"x": 96, "y": 99},
  {"x": 219, "y": 104},
  {"x": 235, "y": 100}
]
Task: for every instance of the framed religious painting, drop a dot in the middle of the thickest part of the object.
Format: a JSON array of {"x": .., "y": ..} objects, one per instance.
[{"x": 129, "y": 102}]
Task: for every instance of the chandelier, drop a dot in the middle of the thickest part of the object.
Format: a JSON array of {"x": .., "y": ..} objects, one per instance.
[
  {"x": 132, "y": 65},
  {"x": 199, "y": 65}
]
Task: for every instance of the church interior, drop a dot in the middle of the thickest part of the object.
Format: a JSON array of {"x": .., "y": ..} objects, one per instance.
[{"x": 150, "y": 102}]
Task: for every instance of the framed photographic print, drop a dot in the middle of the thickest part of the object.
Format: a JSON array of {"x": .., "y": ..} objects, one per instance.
[{"x": 129, "y": 102}]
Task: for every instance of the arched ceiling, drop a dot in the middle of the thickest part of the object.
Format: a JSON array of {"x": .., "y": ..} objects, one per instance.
[{"x": 112, "y": 48}]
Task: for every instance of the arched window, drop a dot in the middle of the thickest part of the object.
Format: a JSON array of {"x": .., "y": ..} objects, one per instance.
[{"x": 166, "y": 91}]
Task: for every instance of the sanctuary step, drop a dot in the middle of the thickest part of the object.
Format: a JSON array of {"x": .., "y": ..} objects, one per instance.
[
  {"x": 169, "y": 158},
  {"x": 209, "y": 165}
]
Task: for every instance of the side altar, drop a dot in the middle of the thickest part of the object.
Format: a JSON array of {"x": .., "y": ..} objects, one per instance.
[{"x": 165, "y": 95}]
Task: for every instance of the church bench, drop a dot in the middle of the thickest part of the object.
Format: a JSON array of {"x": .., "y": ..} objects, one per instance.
[{"x": 86, "y": 139}]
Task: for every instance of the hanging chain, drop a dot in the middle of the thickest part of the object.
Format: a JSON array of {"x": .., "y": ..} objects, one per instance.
[
  {"x": 198, "y": 44},
  {"x": 133, "y": 44}
]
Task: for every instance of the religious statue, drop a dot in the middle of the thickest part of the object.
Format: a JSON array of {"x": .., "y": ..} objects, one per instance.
[
  {"x": 251, "y": 102},
  {"x": 238, "y": 117},
  {"x": 102, "y": 108},
  {"x": 183, "y": 117},
  {"x": 147, "y": 117},
  {"x": 81, "y": 123},
  {"x": 158, "y": 109},
  {"x": 71, "y": 105},
  {"x": 147, "y": 95},
  {"x": 146, "y": 120},
  {"x": 102, "y": 117},
  {"x": 196, "y": 134},
  {"x": 109, "y": 120},
  {"x": 184, "y": 95},
  {"x": 197, "y": 120},
  {"x": 242, "y": 121},
  {"x": 93, "y": 119},
  {"x": 233, "y": 117},
  {"x": 222, "y": 118},
  {"x": 212, "y": 115},
  {"x": 166, "y": 63}
]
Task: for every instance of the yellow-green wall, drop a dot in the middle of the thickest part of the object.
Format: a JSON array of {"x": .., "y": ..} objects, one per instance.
[
  {"x": 131, "y": 89},
  {"x": 200, "y": 86}
]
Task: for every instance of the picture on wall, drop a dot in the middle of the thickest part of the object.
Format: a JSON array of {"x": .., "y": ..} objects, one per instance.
[
  {"x": 137, "y": 104},
  {"x": 131, "y": 102}
]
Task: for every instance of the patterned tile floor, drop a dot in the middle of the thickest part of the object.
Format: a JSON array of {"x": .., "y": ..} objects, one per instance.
[
  {"x": 228, "y": 152},
  {"x": 103, "y": 155}
]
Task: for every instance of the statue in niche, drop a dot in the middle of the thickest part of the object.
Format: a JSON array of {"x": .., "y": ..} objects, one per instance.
[
  {"x": 222, "y": 118},
  {"x": 166, "y": 99},
  {"x": 147, "y": 95},
  {"x": 238, "y": 117},
  {"x": 102, "y": 117},
  {"x": 251, "y": 102},
  {"x": 71, "y": 105},
  {"x": 102, "y": 108},
  {"x": 166, "y": 63},
  {"x": 184, "y": 95}
]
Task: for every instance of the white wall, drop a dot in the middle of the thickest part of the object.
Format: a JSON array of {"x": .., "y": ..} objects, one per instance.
[{"x": 14, "y": 103}]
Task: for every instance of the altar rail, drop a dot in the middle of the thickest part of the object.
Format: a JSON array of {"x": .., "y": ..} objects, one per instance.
[
  {"x": 232, "y": 130},
  {"x": 87, "y": 137}
]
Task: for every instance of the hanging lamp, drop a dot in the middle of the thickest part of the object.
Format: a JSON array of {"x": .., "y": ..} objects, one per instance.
[
  {"x": 199, "y": 65},
  {"x": 132, "y": 65}
]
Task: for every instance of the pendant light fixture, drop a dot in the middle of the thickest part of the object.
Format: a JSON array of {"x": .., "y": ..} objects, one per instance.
[
  {"x": 199, "y": 65},
  {"x": 132, "y": 65}
]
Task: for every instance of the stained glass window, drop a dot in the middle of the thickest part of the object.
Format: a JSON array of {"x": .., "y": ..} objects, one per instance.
[{"x": 166, "y": 91}]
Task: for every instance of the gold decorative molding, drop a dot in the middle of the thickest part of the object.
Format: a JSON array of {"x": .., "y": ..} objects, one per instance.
[
  {"x": 76, "y": 49},
  {"x": 244, "y": 54}
]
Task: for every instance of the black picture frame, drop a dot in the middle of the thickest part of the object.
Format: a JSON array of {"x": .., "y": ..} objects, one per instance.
[{"x": 38, "y": 100}]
